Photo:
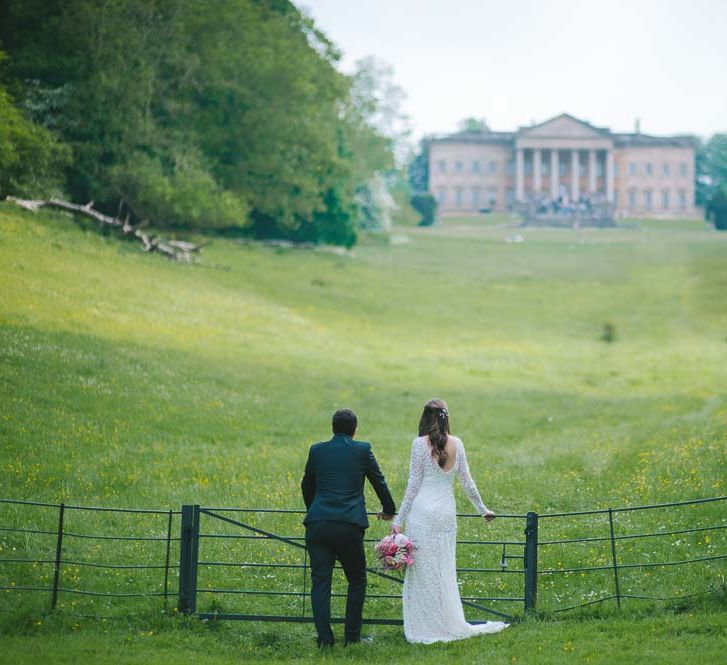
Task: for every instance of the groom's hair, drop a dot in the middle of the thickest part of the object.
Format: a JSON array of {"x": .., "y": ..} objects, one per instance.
[{"x": 344, "y": 422}]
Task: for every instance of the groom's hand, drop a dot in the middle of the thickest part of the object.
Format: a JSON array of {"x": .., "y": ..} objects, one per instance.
[
  {"x": 489, "y": 516},
  {"x": 384, "y": 516}
]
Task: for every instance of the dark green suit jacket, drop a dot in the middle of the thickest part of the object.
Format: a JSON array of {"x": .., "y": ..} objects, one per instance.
[{"x": 334, "y": 481}]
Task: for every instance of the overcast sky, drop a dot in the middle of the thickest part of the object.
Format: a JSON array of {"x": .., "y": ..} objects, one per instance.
[{"x": 517, "y": 61}]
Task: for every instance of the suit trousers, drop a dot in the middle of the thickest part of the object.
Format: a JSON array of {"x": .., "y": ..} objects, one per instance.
[{"x": 327, "y": 541}]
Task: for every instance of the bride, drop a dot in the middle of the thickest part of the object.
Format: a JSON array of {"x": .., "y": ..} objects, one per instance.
[{"x": 432, "y": 606}]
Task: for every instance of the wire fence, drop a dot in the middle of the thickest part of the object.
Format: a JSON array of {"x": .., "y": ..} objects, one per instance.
[
  {"x": 87, "y": 558},
  {"x": 251, "y": 564}
]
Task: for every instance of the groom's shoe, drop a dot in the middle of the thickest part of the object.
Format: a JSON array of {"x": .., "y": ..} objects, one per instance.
[{"x": 324, "y": 644}]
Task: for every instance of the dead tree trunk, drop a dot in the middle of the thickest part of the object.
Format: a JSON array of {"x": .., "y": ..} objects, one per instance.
[{"x": 178, "y": 250}]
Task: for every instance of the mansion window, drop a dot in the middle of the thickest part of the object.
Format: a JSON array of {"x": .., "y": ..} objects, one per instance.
[
  {"x": 632, "y": 168},
  {"x": 475, "y": 167},
  {"x": 493, "y": 166},
  {"x": 682, "y": 199},
  {"x": 442, "y": 196},
  {"x": 632, "y": 198},
  {"x": 665, "y": 170},
  {"x": 545, "y": 168},
  {"x": 648, "y": 168},
  {"x": 581, "y": 168},
  {"x": 458, "y": 197},
  {"x": 527, "y": 167},
  {"x": 563, "y": 168},
  {"x": 510, "y": 168},
  {"x": 510, "y": 196},
  {"x": 458, "y": 167},
  {"x": 665, "y": 199},
  {"x": 492, "y": 197},
  {"x": 599, "y": 169},
  {"x": 647, "y": 199},
  {"x": 441, "y": 166},
  {"x": 475, "y": 197},
  {"x": 683, "y": 170}
]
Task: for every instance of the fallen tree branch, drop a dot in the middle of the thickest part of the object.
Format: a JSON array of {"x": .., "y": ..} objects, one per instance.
[{"x": 179, "y": 250}]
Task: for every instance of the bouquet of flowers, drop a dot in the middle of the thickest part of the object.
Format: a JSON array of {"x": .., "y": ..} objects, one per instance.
[{"x": 394, "y": 552}]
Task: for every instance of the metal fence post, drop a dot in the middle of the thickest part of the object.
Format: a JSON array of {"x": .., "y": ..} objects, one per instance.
[
  {"x": 188, "y": 556},
  {"x": 59, "y": 545},
  {"x": 166, "y": 560},
  {"x": 305, "y": 579},
  {"x": 531, "y": 560},
  {"x": 613, "y": 558}
]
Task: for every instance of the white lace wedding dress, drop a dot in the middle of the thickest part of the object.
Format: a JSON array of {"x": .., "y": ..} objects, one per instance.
[{"x": 432, "y": 605}]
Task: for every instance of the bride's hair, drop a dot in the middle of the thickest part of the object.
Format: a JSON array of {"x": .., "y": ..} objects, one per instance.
[{"x": 434, "y": 423}]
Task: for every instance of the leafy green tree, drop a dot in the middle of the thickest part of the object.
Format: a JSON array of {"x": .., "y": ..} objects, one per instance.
[
  {"x": 711, "y": 167},
  {"x": 267, "y": 107},
  {"x": 418, "y": 168},
  {"x": 473, "y": 125},
  {"x": 717, "y": 209},
  {"x": 379, "y": 102},
  {"x": 375, "y": 205},
  {"x": 31, "y": 159}
]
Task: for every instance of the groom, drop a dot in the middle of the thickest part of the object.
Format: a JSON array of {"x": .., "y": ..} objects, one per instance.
[{"x": 336, "y": 520}]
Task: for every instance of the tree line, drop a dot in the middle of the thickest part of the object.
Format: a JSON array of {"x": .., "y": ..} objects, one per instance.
[
  {"x": 226, "y": 116},
  {"x": 223, "y": 115}
]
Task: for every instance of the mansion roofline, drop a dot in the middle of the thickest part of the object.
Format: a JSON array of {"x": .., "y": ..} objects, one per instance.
[{"x": 619, "y": 138}]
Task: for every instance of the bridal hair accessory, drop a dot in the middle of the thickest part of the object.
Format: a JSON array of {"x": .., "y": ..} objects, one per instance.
[
  {"x": 443, "y": 413},
  {"x": 394, "y": 552}
]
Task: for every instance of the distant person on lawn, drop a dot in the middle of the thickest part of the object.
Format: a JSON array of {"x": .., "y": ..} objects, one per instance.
[{"x": 336, "y": 521}]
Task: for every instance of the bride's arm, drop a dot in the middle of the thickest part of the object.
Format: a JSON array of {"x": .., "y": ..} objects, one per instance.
[
  {"x": 416, "y": 474},
  {"x": 465, "y": 479}
]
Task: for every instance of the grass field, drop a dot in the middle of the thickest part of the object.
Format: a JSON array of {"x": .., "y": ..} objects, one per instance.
[{"x": 127, "y": 380}]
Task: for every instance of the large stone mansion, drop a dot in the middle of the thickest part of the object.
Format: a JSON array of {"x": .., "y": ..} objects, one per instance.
[{"x": 564, "y": 159}]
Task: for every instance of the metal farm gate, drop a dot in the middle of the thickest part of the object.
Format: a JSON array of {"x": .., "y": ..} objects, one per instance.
[{"x": 288, "y": 558}]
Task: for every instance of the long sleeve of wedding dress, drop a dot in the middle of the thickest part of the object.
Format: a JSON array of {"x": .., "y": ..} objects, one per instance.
[
  {"x": 416, "y": 476},
  {"x": 465, "y": 479}
]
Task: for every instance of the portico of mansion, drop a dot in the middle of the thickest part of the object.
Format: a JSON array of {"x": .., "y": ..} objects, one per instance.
[{"x": 565, "y": 160}]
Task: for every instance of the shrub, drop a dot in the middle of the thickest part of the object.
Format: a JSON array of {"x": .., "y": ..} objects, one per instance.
[
  {"x": 186, "y": 197},
  {"x": 717, "y": 209},
  {"x": 608, "y": 334},
  {"x": 426, "y": 205},
  {"x": 335, "y": 224}
]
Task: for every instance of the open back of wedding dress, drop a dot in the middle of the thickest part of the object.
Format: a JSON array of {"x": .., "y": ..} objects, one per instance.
[{"x": 432, "y": 605}]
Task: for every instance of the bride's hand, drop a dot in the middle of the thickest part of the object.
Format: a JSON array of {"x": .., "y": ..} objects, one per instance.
[
  {"x": 489, "y": 516},
  {"x": 395, "y": 530}
]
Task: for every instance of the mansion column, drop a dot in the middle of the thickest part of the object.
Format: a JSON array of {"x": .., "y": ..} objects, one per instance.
[
  {"x": 609, "y": 176},
  {"x": 519, "y": 174},
  {"x": 537, "y": 175},
  {"x": 591, "y": 172},
  {"x": 554, "y": 173},
  {"x": 575, "y": 167}
]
